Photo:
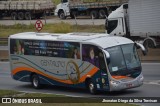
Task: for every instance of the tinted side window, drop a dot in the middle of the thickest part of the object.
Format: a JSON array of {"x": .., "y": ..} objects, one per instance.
[
  {"x": 93, "y": 55},
  {"x": 45, "y": 48}
]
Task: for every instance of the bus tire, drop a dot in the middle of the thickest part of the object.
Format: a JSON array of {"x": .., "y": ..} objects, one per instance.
[
  {"x": 91, "y": 87},
  {"x": 94, "y": 14},
  {"x": 35, "y": 81}
]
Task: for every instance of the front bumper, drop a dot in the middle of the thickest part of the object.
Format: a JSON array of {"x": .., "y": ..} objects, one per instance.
[{"x": 122, "y": 84}]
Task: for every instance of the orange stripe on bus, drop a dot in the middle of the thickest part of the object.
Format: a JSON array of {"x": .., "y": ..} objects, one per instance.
[
  {"x": 91, "y": 73},
  {"x": 39, "y": 72},
  {"x": 120, "y": 77},
  {"x": 82, "y": 79}
]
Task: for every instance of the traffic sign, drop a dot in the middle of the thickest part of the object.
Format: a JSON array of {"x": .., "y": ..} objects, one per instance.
[{"x": 38, "y": 25}]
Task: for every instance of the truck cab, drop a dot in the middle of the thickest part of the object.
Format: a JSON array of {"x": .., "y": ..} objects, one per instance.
[
  {"x": 62, "y": 10},
  {"x": 117, "y": 21},
  {"x": 136, "y": 21}
]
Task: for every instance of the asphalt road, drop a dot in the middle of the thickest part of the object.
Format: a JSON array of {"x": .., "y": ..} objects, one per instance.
[
  {"x": 151, "y": 87},
  {"x": 3, "y": 47},
  {"x": 79, "y": 21}
]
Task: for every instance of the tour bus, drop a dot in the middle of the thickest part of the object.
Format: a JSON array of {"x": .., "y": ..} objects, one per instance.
[{"x": 82, "y": 60}]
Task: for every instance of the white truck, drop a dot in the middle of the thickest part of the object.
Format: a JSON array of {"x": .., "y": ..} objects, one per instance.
[
  {"x": 25, "y": 9},
  {"x": 93, "y": 8},
  {"x": 138, "y": 20}
]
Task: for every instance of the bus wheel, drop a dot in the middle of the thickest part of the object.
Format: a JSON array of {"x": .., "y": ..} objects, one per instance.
[
  {"x": 91, "y": 87},
  {"x": 35, "y": 81}
]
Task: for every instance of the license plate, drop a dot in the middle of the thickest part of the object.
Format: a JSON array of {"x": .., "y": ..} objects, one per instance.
[{"x": 129, "y": 85}]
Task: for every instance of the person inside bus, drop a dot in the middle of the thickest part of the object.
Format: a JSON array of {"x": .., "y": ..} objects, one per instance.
[
  {"x": 76, "y": 54},
  {"x": 15, "y": 50},
  {"x": 19, "y": 49},
  {"x": 92, "y": 58}
]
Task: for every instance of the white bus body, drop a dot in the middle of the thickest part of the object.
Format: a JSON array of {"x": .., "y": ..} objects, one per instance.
[{"x": 92, "y": 60}]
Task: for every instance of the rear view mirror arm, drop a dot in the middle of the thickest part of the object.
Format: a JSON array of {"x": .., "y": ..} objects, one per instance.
[{"x": 142, "y": 47}]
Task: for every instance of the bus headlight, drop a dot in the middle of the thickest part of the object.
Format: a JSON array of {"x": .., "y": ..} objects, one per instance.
[
  {"x": 141, "y": 78},
  {"x": 114, "y": 83}
]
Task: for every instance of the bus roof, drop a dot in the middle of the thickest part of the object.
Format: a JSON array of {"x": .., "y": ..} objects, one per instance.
[{"x": 100, "y": 39}]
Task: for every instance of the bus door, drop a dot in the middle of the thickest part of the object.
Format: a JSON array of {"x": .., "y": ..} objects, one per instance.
[
  {"x": 103, "y": 72},
  {"x": 95, "y": 56}
]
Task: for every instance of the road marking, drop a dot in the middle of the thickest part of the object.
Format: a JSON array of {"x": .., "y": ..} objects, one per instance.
[
  {"x": 5, "y": 74},
  {"x": 4, "y": 62},
  {"x": 151, "y": 63},
  {"x": 156, "y": 82},
  {"x": 51, "y": 93},
  {"x": 3, "y": 47}
]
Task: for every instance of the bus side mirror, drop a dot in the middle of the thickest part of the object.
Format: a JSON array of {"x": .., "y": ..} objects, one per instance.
[
  {"x": 107, "y": 56},
  {"x": 144, "y": 51}
]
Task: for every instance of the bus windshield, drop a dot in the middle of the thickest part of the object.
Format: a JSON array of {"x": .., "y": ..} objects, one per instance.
[{"x": 124, "y": 60}]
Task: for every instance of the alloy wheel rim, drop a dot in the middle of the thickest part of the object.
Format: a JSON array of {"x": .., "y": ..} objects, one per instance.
[
  {"x": 91, "y": 87},
  {"x": 35, "y": 82}
]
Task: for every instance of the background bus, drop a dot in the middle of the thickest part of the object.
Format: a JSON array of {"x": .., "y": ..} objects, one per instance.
[{"x": 81, "y": 60}]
